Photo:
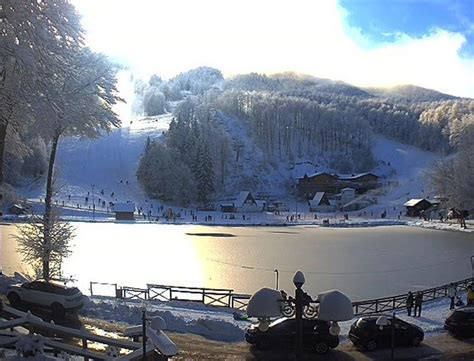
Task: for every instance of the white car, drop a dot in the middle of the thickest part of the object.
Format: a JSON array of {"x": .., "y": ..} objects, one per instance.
[{"x": 58, "y": 298}]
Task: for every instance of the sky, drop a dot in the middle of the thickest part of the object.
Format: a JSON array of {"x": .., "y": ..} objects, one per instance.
[{"x": 429, "y": 43}]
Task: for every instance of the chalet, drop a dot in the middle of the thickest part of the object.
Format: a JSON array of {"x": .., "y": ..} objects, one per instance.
[
  {"x": 361, "y": 182},
  {"x": 415, "y": 206},
  {"x": 124, "y": 211},
  {"x": 319, "y": 203},
  {"x": 308, "y": 186},
  {"x": 246, "y": 202}
]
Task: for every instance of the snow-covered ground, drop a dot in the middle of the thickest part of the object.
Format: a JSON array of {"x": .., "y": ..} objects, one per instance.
[
  {"x": 104, "y": 169},
  {"x": 217, "y": 323}
]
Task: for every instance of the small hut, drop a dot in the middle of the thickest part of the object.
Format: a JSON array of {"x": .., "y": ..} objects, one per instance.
[
  {"x": 246, "y": 202},
  {"x": 415, "y": 206},
  {"x": 124, "y": 211}
]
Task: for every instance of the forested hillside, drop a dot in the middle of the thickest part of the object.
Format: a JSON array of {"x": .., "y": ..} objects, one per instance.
[{"x": 278, "y": 122}]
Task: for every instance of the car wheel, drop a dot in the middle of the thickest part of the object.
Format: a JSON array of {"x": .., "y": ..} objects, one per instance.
[
  {"x": 371, "y": 345},
  {"x": 14, "y": 299},
  {"x": 58, "y": 310},
  {"x": 321, "y": 348},
  {"x": 416, "y": 341}
]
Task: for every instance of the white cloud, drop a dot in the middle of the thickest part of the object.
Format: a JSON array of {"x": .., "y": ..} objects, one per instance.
[{"x": 238, "y": 36}]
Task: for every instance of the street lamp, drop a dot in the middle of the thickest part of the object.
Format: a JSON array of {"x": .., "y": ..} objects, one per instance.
[
  {"x": 298, "y": 281},
  {"x": 93, "y": 203}
]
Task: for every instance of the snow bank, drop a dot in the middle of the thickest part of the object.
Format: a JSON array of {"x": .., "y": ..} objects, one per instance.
[{"x": 177, "y": 319}]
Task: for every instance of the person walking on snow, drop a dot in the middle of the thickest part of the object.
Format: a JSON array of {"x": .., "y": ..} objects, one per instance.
[
  {"x": 409, "y": 302},
  {"x": 452, "y": 292},
  {"x": 418, "y": 303}
]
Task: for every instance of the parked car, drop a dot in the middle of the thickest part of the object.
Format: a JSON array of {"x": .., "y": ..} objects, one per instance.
[
  {"x": 366, "y": 334},
  {"x": 461, "y": 322},
  {"x": 282, "y": 333},
  {"x": 58, "y": 298}
]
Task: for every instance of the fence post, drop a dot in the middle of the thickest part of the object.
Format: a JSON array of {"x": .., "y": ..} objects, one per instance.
[
  {"x": 90, "y": 287},
  {"x": 376, "y": 305}
]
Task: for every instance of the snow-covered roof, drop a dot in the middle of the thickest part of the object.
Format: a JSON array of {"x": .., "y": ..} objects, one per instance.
[
  {"x": 320, "y": 173},
  {"x": 242, "y": 197},
  {"x": 227, "y": 204},
  {"x": 354, "y": 176},
  {"x": 124, "y": 207},
  {"x": 316, "y": 199},
  {"x": 413, "y": 202}
]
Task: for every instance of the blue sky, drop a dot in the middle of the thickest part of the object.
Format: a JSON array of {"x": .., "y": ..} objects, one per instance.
[{"x": 382, "y": 21}]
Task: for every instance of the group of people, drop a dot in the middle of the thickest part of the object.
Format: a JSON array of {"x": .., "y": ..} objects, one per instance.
[
  {"x": 414, "y": 300},
  {"x": 417, "y": 300}
]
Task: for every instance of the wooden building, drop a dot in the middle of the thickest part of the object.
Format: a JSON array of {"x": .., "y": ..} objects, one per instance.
[
  {"x": 124, "y": 211},
  {"x": 308, "y": 186},
  {"x": 415, "y": 206}
]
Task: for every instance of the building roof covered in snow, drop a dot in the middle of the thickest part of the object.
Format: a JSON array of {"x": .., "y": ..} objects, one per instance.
[
  {"x": 243, "y": 197},
  {"x": 348, "y": 189},
  {"x": 414, "y": 201},
  {"x": 318, "y": 196},
  {"x": 355, "y": 176},
  {"x": 124, "y": 207},
  {"x": 317, "y": 174}
]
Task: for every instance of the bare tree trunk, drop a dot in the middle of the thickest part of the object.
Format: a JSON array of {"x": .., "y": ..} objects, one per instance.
[
  {"x": 48, "y": 204},
  {"x": 3, "y": 136}
]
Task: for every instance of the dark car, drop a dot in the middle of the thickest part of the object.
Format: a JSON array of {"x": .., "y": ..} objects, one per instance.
[
  {"x": 282, "y": 334},
  {"x": 366, "y": 334},
  {"x": 461, "y": 322}
]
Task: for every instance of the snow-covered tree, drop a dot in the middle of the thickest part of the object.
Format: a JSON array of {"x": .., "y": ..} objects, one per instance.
[
  {"x": 45, "y": 255},
  {"x": 33, "y": 34},
  {"x": 76, "y": 100}
]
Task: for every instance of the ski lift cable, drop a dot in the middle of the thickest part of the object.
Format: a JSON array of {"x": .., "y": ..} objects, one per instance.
[{"x": 249, "y": 267}]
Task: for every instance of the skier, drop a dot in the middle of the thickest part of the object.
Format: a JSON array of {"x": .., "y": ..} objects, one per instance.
[
  {"x": 452, "y": 292},
  {"x": 409, "y": 302}
]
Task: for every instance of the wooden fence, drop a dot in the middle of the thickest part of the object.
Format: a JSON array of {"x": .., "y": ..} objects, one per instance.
[
  {"x": 386, "y": 304},
  {"x": 227, "y": 298}
]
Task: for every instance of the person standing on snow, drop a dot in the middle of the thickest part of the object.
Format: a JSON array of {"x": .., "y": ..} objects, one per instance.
[
  {"x": 452, "y": 292},
  {"x": 418, "y": 303},
  {"x": 409, "y": 302}
]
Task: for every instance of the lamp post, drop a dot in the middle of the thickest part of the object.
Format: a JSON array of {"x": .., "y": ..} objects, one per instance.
[
  {"x": 93, "y": 203},
  {"x": 144, "y": 333},
  {"x": 382, "y": 321},
  {"x": 298, "y": 281},
  {"x": 277, "y": 276}
]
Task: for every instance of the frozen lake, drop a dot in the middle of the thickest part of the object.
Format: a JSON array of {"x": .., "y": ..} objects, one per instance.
[{"x": 363, "y": 262}]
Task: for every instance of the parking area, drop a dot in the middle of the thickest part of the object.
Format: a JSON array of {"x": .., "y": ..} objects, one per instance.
[{"x": 439, "y": 347}]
